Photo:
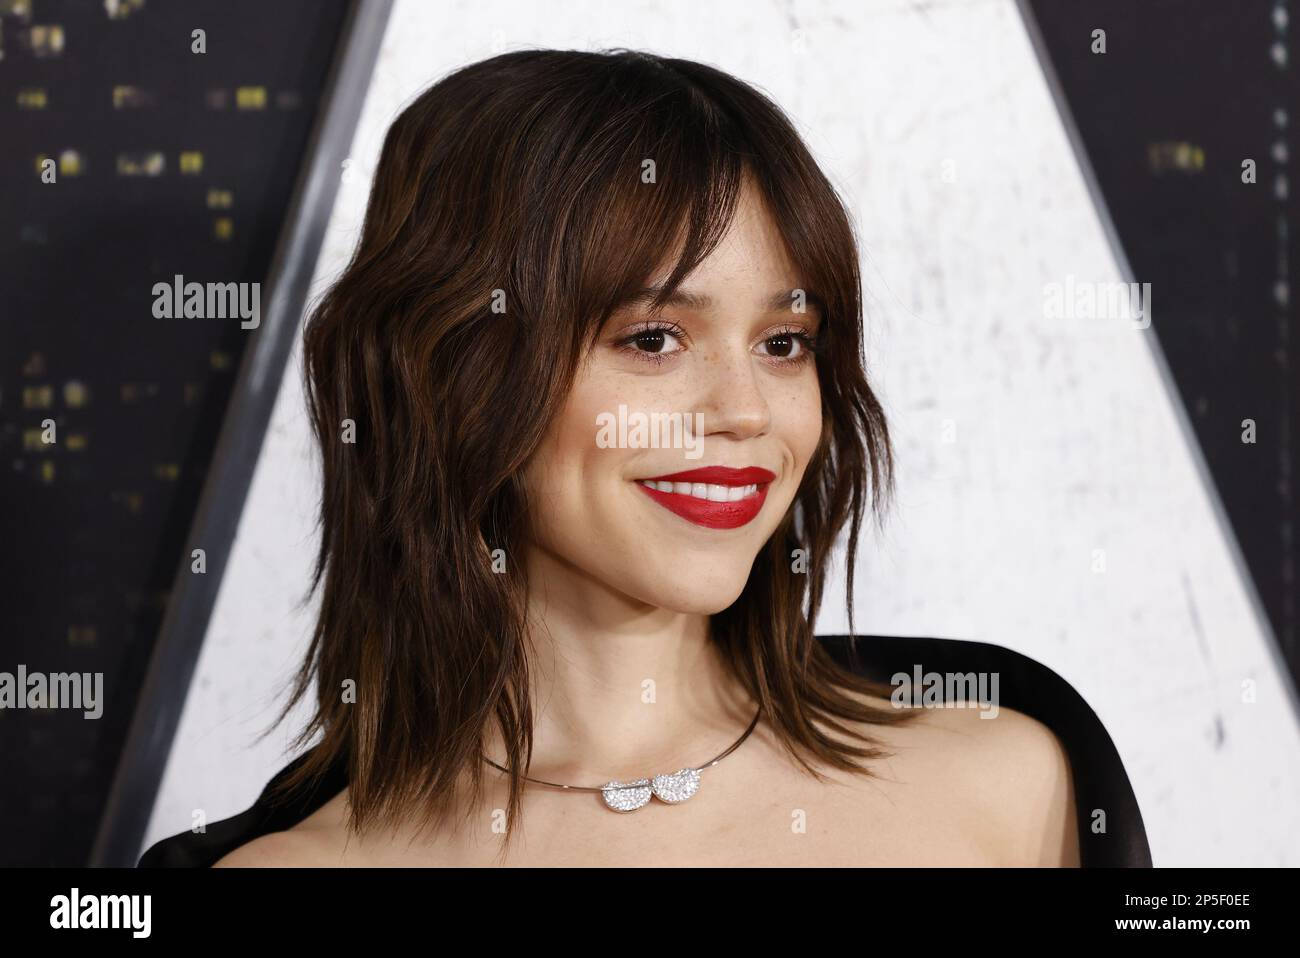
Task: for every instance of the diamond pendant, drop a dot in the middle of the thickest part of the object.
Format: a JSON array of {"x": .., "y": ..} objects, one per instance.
[
  {"x": 677, "y": 787},
  {"x": 671, "y": 789},
  {"x": 626, "y": 796}
]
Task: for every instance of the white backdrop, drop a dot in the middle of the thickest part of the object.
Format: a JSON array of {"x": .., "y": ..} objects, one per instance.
[{"x": 1025, "y": 444}]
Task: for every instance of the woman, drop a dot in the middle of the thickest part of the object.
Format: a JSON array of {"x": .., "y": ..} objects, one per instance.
[{"x": 592, "y": 412}]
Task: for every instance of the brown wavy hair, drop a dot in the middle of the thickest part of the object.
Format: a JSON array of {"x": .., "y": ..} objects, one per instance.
[{"x": 522, "y": 175}]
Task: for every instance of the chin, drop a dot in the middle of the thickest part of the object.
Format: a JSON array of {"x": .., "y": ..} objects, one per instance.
[{"x": 696, "y": 590}]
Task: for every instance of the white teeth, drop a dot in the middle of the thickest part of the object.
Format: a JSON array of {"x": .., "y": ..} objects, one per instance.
[{"x": 701, "y": 490}]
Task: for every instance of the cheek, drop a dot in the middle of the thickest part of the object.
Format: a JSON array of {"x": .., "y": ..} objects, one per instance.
[
  {"x": 800, "y": 418},
  {"x": 568, "y": 465},
  {"x": 561, "y": 459}
]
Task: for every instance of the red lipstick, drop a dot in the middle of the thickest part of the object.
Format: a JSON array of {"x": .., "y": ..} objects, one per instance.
[{"x": 710, "y": 513}]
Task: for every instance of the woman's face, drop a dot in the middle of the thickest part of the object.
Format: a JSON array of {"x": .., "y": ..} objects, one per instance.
[{"x": 716, "y": 399}]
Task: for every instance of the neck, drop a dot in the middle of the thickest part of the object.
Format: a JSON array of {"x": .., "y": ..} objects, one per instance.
[{"x": 621, "y": 688}]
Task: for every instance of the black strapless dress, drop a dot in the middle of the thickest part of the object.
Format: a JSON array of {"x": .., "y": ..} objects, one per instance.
[{"x": 1100, "y": 781}]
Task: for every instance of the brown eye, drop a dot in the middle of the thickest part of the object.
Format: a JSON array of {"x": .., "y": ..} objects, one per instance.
[
  {"x": 788, "y": 347},
  {"x": 782, "y": 345},
  {"x": 651, "y": 341}
]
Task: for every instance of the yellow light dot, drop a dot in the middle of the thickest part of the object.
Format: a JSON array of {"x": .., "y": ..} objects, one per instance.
[
  {"x": 82, "y": 635},
  {"x": 70, "y": 163},
  {"x": 38, "y": 397},
  {"x": 250, "y": 98},
  {"x": 75, "y": 393}
]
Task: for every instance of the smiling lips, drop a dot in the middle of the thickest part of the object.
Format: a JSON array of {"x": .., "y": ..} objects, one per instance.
[{"x": 716, "y": 497}]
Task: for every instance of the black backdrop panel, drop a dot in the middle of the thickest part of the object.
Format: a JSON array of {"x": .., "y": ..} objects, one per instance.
[
  {"x": 1185, "y": 92},
  {"x": 167, "y": 162}
]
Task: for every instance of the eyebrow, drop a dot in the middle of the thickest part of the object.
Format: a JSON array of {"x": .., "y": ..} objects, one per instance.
[{"x": 776, "y": 302}]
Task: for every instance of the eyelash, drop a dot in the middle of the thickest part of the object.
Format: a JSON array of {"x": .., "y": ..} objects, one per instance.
[{"x": 627, "y": 344}]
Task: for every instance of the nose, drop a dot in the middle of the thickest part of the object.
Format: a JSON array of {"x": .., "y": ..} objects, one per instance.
[{"x": 731, "y": 395}]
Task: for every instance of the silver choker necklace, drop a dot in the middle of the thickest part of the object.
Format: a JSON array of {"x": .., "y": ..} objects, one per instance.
[{"x": 629, "y": 796}]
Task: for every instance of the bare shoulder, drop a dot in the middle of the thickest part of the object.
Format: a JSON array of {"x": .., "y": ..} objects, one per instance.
[
  {"x": 288, "y": 849},
  {"x": 309, "y": 844},
  {"x": 1017, "y": 771},
  {"x": 998, "y": 769}
]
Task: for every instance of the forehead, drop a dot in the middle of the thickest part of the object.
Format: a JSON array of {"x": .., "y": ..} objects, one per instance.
[{"x": 752, "y": 251}]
